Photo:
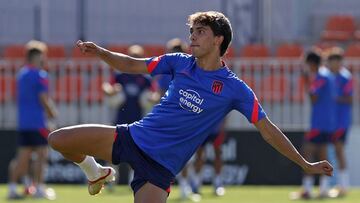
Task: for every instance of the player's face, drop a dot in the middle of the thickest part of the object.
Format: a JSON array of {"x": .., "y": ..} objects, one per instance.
[
  {"x": 38, "y": 60},
  {"x": 202, "y": 40},
  {"x": 312, "y": 67},
  {"x": 334, "y": 65},
  {"x": 42, "y": 60}
]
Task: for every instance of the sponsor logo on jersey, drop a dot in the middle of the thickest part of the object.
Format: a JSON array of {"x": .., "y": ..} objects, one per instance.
[{"x": 190, "y": 100}]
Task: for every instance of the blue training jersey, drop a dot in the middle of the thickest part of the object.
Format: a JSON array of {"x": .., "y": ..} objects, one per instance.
[
  {"x": 31, "y": 82},
  {"x": 344, "y": 86},
  {"x": 196, "y": 101},
  {"x": 323, "y": 109},
  {"x": 163, "y": 82}
]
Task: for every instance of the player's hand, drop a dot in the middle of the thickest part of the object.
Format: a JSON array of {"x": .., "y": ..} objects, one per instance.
[
  {"x": 111, "y": 90},
  {"x": 321, "y": 167},
  {"x": 88, "y": 48},
  {"x": 305, "y": 74},
  {"x": 51, "y": 125}
]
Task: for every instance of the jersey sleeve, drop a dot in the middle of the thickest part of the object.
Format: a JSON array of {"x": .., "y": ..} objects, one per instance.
[
  {"x": 164, "y": 82},
  {"x": 42, "y": 82},
  {"x": 164, "y": 64},
  {"x": 347, "y": 89},
  {"x": 246, "y": 102},
  {"x": 317, "y": 85},
  {"x": 112, "y": 80}
]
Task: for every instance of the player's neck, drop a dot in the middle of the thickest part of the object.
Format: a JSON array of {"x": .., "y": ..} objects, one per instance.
[
  {"x": 209, "y": 63},
  {"x": 31, "y": 65}
]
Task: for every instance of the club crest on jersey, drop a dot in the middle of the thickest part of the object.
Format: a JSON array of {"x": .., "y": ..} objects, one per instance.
[{"x": 217, "y": 86}]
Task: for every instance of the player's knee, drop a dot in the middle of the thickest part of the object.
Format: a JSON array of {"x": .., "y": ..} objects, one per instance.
[{"x": 55, "y": 139}]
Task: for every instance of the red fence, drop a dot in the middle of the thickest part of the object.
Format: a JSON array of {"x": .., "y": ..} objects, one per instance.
[{"x": 75, "y": 86}]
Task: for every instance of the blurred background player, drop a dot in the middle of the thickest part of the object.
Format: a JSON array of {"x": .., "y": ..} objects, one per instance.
[
  {"x": 34, "y": 104},
  {"x": 132, "y": 86},
  {"x": 216, "y": 138},
  {"x": 320, "y": 83},
  {"x": 344, "y": 90},
  {"x": 129, "y": 94},
  {"x": 163, "y": 81}
]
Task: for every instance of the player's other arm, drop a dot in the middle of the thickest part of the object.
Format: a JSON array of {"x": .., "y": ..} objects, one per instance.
[
  {"x": 313, "y": 97},
  {"x": 345, "y": 99},
  {"x": 122, "y": 62},
  {"x": 347, "y": 92},
  {"x": 272, "y": 134},
  {"x": 48, "y": 105},
  {"x": 308, "y": 86}
]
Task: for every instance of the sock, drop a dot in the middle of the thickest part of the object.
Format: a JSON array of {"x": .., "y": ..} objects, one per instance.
[
  {"x": 90, "y": 168},
  {"x": 197, "y": 181},
  {"x": 308, "y": 183},
  {"x": 27, "y": 181},
  {"x": 184, "y": 186},
  {"x": 40, "y": 189},
  {"x": 182, "y": 181},
  {"x": 217, "y": 181},
  {"x": 131, "y": 176},
  {"x": 324, "y": 184},
  {"x": 12, "y": 187},
  {"x": 343, "y": 179}
]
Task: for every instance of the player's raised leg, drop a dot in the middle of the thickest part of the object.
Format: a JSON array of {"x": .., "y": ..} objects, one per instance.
[{"x": 80, "y": 144}]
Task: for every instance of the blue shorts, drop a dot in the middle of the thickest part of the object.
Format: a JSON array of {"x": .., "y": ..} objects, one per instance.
[
  {"x": 33, "y": 138},
  {"x": 339, "y": 135},
  {"x": 317, "y": 137},
  {"x": 145, "y": 168}
]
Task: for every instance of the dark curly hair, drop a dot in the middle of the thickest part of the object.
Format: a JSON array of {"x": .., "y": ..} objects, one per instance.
[{"x": 219, "y": 24}]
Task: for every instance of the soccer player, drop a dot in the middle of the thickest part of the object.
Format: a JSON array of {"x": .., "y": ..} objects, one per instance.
[
  {"x": 133, "y": 86},
  {"x": 158, "y": 146},
  {"x": 216, "y": 138},
  {"x": 344, "y": 90},
  {"x": 321, "y": 87},
  {"x": 33, "y": 104}
]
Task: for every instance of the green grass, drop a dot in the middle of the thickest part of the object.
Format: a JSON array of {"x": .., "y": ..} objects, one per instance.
[{"x": 238, "y": 194}]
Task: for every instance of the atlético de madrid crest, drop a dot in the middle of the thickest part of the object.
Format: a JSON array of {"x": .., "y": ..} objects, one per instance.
[{"x": 217, "y": 86}]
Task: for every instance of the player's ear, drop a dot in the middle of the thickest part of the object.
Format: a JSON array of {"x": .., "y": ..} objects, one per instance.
[{"x": 219, "y": 40}]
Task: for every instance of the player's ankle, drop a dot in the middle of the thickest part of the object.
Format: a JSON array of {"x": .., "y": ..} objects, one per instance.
[
  {"x": 12, "y": 187},
  {"x": 90, "y": 167}
]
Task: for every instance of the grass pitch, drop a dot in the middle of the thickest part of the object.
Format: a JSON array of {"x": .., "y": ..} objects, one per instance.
[{"x": 234, "y": 194}]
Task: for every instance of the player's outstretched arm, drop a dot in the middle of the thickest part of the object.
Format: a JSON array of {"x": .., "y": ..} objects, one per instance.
[
  {"x": 272, "y": 134},
  {"x": 118, "y": 61}
]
